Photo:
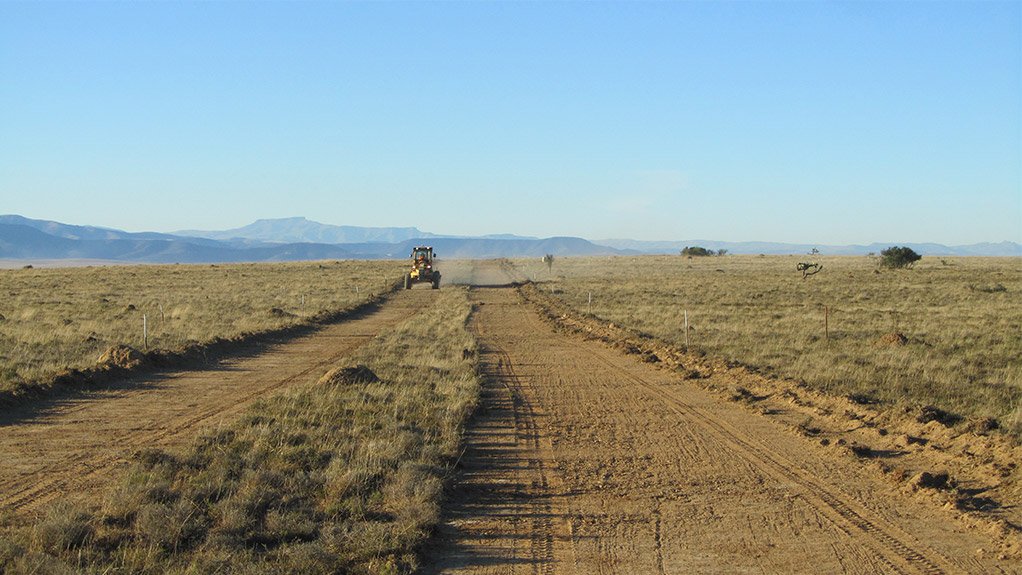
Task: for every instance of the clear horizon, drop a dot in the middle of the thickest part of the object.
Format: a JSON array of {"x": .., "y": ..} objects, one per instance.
[{"x": 809, "y": 123}]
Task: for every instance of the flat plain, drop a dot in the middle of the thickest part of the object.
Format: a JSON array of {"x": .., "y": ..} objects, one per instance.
[
  {"x": 502, "y": 427},
  {"x": 947, "y": 332},
  {"x": 55, "y": 319}
]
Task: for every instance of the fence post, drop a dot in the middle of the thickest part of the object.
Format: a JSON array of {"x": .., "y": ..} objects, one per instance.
[
  {"x": 826, "y": 323},
  {"x": 686, "y": 331},
  {"x": 145, "y": 333},
  {"x": 590, "y": 303}
]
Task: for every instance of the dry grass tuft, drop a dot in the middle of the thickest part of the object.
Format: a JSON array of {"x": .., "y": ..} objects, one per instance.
[
  {"x": 894, "y": 338},
  {"x": 121, "y": 355}
]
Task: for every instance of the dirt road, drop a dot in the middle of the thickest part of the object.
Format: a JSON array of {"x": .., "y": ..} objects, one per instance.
[
  {"x": 75, "y": 443},
  {"x": 585, "y": 460}
]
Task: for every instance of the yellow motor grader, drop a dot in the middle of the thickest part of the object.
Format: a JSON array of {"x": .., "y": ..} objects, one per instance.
[{"x": 423, "y": 270}]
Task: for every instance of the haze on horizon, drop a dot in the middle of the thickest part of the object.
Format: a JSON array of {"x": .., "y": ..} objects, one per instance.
[{"x": 829, "y": 123}]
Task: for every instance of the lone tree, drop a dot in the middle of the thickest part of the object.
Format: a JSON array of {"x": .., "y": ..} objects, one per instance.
[
  {"x": 549, "y": 261},
  {"x": 898, "y": 257},
  {"x": 696, "y": 251}
]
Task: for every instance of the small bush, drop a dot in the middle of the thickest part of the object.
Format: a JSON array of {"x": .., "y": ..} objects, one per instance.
[
  {"x": 899, "y": 257},
  {"x": 995, "y": 288},
  {"x": 64, "y": 528},
  {"x": 696, "y": 251}
]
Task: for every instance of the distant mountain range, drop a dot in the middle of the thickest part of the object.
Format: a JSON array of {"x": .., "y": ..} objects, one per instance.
[
  {"x": 302, "y": 230},
  {"x": 295, "y": 239},
  {"x": 287, "y": 239}
]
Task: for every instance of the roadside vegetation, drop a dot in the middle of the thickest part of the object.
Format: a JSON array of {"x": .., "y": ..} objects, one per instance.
[
  {"x": 53, "y": 320},
  {"x": 947, "y": 332},
  {"x": 344, "y": 476}
]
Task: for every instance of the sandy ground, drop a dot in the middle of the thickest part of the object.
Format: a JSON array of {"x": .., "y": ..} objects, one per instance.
[
  {"x": 76, "y": 443},
  {"x": 586, "y": 460}
]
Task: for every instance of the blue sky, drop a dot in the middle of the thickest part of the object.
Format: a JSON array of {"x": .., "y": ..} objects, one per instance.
[{"x": 824, "y": 123}]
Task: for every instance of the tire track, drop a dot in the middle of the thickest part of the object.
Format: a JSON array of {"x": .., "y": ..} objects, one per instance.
[
  {"x": 658, "y": 539},
  {"x": 907, "y": 557},
  {"x": 541, "y": 531}
]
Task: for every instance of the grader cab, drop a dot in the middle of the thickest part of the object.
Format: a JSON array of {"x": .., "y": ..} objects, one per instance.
[{"x": 423, "y": 268}]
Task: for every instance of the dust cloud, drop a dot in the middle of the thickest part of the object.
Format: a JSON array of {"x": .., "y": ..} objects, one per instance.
[{"x": 477, "y": 273}]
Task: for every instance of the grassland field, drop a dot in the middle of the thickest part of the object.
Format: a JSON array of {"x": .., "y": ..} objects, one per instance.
[
  {"x": 343, "y": 476},
  {"x": 56, "y": 319},
  {"x": 961, "y": 318},
  {"x": 958, "y": 321},
  {"x": 347, "y": 475}
]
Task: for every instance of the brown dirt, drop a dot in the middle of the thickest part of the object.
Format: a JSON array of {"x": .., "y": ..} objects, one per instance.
[
  {"x": 122, "y": 356},
  {"x": 348, "y": 375},
  {"x": 587, "y": 459},
  {"x": 75, "y": 442}
]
